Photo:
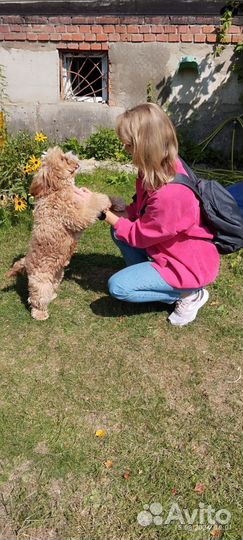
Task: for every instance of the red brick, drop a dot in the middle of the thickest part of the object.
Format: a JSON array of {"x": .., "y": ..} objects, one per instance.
[
  {"x": 114, "y": 37},
  {"x": 125, "y": 37},
  {"x": 109, "y": 29},
  {"x": 79, "y": 20},
  {"x": 38, "y": 27},
  {"x": 183, "y": 29},
  {"x": 97, "y": 29},
  {"x": 162, "y": 37},
  {"x": 95, "y": 46},
  {"x": 131, "y": 20},
  {"x": 236, "y": 39},
  {"x": 4, "y": 28},
  {"x": 199, "y": 38},
  {"x": 208, "y": 29},
  {"x": 145, "y": 28},
  {"x": 195, "y": 29},
  {"x": 61, "y": 20},
  {"x": 211, "y": 38},
  {"x": 107, "y": 20},
  {"x": 36, "y": 19},
  {"x": 67, "y": 37},
  {"x": 55, "y": 37},
  {"x": 1, "y": 37},
  {"x": 148, "y": 37},
  {"x": 77, "y": 37},
  {"x": 14, "y": 36},
  {"x": 136, "y": 37},
  {"x": 235, "y": 29},
  {"x": 89, "y": 37},
  {"x": 15, "y": 27},
  {"x": 31, "y": 37},
  {"x": 84, "y": 47},
  {"x": 172, "y": 38},
  {"x": 85, "y": 28},
  {"x": 101, "y": 37},
  {"x": 73, "y": 46},
  {"x": 43, "y": 37},
  {"x": 157, "y": 20},
  {"x": 158, "y": 29},
  {"x": 169, "y": 29},
  {"x": 17, "y": 19},
  {"x": 61, "y": 28},
  {"x": 186, "y": 38},
  {"x": 121, "y": 28},
  {"x": 47, "y": 29},
  {"x": 132, "y": 29},
  {"x": 105, "y": 46},
  {"x": 73, "y": 28}
]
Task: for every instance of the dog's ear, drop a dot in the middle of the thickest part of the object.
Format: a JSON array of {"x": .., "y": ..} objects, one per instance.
[{"x": 39, "y": 186}]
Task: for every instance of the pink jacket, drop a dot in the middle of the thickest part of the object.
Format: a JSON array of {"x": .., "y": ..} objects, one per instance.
[{"x": 173, "y": 234}]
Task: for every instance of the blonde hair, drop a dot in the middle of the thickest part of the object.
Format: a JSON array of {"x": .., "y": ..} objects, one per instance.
[{"x": 151, "y": 136}]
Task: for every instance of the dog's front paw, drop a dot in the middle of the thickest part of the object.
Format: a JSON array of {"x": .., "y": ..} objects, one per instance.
[{"x": 39, "y": 315}]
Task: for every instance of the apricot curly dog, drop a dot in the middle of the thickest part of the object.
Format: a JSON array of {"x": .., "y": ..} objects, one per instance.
[{"x": 60, "y": 215}]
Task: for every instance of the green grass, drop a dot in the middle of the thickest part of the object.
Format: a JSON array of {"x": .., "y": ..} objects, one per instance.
[{"x": 169, "y": 399}]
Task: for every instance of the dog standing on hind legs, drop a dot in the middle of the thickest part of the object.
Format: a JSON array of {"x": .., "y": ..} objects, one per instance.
[{"x": 60, "y": 215}]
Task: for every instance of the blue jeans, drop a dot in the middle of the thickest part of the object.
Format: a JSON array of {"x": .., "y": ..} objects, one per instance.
[{"x": 139, "y": 281}]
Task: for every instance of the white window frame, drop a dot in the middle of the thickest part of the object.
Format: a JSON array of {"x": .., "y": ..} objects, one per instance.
[{"x": 66, "y": 84}]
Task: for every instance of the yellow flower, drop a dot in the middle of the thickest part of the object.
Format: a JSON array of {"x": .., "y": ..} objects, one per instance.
[
  {"x": 40, "y": 137},
  {"x": 3, "y": 200},
  {"x": 28, "y": 169},
  {"x": 34, "y": 162},
  {"x": 101, "y": 433},
  {"x": 20, "y": 204}
]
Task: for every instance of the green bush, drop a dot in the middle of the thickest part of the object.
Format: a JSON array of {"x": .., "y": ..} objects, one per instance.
[
  {"x": 104, "y": 144},
  {"x": 74, "y": 146},
  {"x": 19, "y": 159}
]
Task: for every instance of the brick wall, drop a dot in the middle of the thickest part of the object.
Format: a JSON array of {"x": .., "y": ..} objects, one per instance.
[{"x": 95, "y": 33}]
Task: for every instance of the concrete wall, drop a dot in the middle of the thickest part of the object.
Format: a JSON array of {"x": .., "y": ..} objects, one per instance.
[{"x": 200, "y": 100}]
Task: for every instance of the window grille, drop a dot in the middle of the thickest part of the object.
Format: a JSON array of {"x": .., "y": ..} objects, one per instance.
[{"x": 84, "y": 77}]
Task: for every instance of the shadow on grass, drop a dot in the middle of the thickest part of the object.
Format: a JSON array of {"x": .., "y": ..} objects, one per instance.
[
  {"x": 20, "y": 285},
  {"x": 91, "y": 271}
]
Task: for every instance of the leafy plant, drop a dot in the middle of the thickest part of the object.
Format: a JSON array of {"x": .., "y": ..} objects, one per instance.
[
  {"x": 104, "y": 144},
  {"x": 19, "y": 159},
  {"x": 74, "y": 146},
  {"x": 119, "y": 178}
]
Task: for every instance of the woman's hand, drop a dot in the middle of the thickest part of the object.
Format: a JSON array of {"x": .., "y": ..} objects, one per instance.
[
  {"x": 83, "y": 193},
  {"x": 111, "y": 218}
]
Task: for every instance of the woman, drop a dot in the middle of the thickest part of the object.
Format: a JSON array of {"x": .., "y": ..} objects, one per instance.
[{"x": 162, "y": 237}]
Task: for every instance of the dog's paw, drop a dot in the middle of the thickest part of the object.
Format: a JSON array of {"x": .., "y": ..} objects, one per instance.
[
  {"x": 117, "y": 204},
  {"x": 39, "y": 315}
]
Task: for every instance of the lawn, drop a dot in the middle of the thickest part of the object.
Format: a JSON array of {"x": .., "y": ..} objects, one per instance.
[{"x": 168, "y": 398}]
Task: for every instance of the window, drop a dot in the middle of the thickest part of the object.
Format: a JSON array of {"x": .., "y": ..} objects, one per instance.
[{"x": 84, "y": 77}]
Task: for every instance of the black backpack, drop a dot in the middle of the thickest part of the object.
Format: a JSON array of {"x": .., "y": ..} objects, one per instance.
[{"x": 220, "y": 210}]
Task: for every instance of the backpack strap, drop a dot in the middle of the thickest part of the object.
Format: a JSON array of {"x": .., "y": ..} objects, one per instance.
[{"x": 191, "y": 181}]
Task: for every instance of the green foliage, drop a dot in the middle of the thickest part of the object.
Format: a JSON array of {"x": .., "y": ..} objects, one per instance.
[
  {"x": 74, "y": 146},
  {"x": 19, "y": 159},
  {"x": 13, "y": 159},
  {"x": 236, "y": 262},
  {"x": 119, "y": 178},
  {"x": 104, "y": 144}
]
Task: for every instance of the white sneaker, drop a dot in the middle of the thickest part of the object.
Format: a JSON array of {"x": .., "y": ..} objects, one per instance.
[{"x": 186, "y": 308}]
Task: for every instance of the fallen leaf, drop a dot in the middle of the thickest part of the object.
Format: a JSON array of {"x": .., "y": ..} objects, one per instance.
[
  {"x": 127, "y": 476},
  {"x": 109, "y": 464},
  {"x": 199, "y": 488},
  {"x": 101, "y": 433},
  {"x": 216, "y": 532},
  {"x": 174, "y": 491}
]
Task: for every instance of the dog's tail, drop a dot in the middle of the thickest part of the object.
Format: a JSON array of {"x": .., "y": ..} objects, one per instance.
[{"x": 18, "y": 267}]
